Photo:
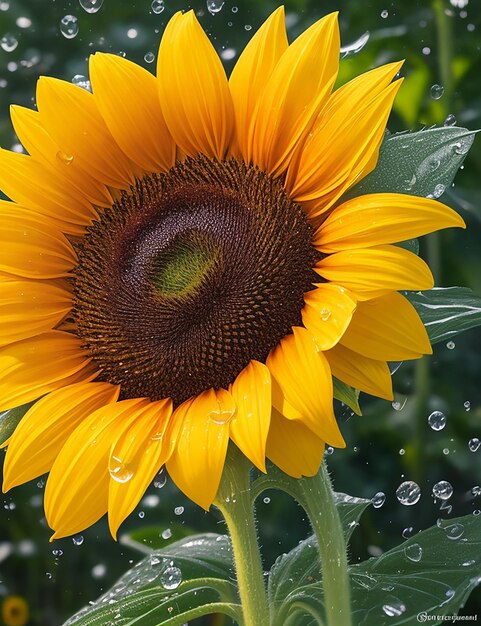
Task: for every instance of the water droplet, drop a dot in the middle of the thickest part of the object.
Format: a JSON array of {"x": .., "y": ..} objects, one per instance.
[
  {"x": 356, "y": 46},
  {"x": 141, "y": 514},
  {"x": 214, "y": 6},
  {"x": 160, "y": 479},
  {"x": 69, "y": 26},
  {"x": 91, "y": 6},
  {"x": 329, "y": 450},
  {"x": 266, "y": 500},
  {"x": 438, "y": 191},
  {"x": 467, "y": 405},
  {"x": 166, "y": 534},
  {"x": 248, "y": 27},
  {"x": 408, "y": 493},
  {"x": 228, "y": 54},
  {"x": 64, "y": 158},
  {"x": 325, "y": 314},
  {"x": 450, "y": 120},
  {"x": 149, "y": 57},
  {"x": 119, "y": 471},
  {"x": 398, "y": 405},
  {"x": 8, "y": 42},
  {"x": 402, "y": 451},
  {"x": 437, "y": 420},
  {"x": 474, "y": 444},
  {"x": 443, "y": 490},
  {"x": 78, "y": 540},
  {"x": 384, "y": 14},
  {"x": 171, "y": 578},
  {"x": 454, "y": 531},
  {"x": 82, "y": 81},
  {"x": 468, "y": 563},
  {"x": 99, "y": 570},
  {"x": 450, "y": 345},
  {"x": 462, "y": 146},
  {"x": 437, "y": 92},
  {"x": 476, "y": 512},
  {"x": 223, "y": 413},
  {"x": 395, "y": 608},
  {"x": 178, "y": 510},
  {"x": 446, "y": 451},
  {"x": 414, "y": 552},
  {"x": 155, "y": 560},
  {"x": 476, "y": 491},
  {"x": 408, "y": 532},
  {"x": 378, "y": 499},
  {"x": 459, "y": 4},
  {"x": 157, "y": 6},
  {"x": 57, "y": 553}
]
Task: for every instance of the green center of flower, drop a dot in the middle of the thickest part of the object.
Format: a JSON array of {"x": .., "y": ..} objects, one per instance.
[
  {"x": 183, "y": 265},
  {"x": 189, "y": 276}
]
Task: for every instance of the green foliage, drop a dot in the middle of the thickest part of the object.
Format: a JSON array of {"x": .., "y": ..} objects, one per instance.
[{"x": 10, "y": 419}]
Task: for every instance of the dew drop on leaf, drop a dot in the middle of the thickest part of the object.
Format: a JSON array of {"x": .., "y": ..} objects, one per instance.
[
  {"x": 171, "y": 578},
  {"x": 414, "y": 552}
]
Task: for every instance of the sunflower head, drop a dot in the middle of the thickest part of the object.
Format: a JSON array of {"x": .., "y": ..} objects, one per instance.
[{"x": 179, "y": 268}]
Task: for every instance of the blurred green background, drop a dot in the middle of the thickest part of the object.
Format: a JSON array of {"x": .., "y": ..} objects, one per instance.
[{"x": 441, "y": 42}]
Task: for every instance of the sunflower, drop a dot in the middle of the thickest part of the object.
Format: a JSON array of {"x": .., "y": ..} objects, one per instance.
[
  {"x": 15, "y": 611},
  {"x": 179, "y": 268}
]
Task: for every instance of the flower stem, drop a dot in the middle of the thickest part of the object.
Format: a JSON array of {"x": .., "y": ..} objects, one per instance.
[
  {"x": 235, "y": 503},
  {"x": 316, "y": 496}
]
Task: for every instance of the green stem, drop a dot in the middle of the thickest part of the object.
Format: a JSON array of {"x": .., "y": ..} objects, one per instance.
[
  {"x": 234, "y": 501},
  {"x": 445, "y": 50},
  {"x": 316, "y": 496}
]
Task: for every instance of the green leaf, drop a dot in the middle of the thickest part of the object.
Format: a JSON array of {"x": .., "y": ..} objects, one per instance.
[
  {"x": 346, "y": 394},
  {"x": 169, "y": 587},
  {"x": 10, "y": 419},
  {"x": 430, "y": 574},
  {"x": 419, "y": 164},
  {"x": 446, "y": 312},
  {"x": 301, "y": 565}
]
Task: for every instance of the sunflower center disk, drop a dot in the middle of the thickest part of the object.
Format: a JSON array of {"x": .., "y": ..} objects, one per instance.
[{"x": 191, "y": 275}]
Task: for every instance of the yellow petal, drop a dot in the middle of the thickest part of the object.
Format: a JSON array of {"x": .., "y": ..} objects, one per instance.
[
  {"x": 387, "y": 329},
  {"x": 364, "y": 374},
  {"x": 76, "y": 493},
  {"x": 136, "y": 456},
  {"x": 194, "y": 93},
  {"x": 327, "y": 312},
  {"x": 304, "y": 379},
  {"x": 197, "y": 463},
  {"x": 70, "y": 116},
  {"x": 382, "y": 218},
  {"x": 47, "y": 425},
  {"x": 30, "y": 246},
  {"x": 372, "y": 272},
  {"x": 42, "y": 148},
  {"x": 294, "y": 448},
  {"x": 127, "y": 98},
  {"x": 251, "y": 73},
  {"x": 37, "y": 187},
  {"x": 298, "y": 87},
  {"x": 33, "y": 367},
  {"x": 344, "y": 141},
  {"x": 29, "y": 308},
  {"x": 249, "y": 427}
]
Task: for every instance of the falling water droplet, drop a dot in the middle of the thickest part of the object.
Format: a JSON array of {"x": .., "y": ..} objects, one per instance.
[
  {"x": 356, "y": 46},
  {"x": 214, "y": 6},
  {"x": 378, "y": 499},
  {"x": 443, "y": 490},
  {"x": 171, "y": 578},
  {"x": 69, "y": 26},
  {"x": 408, "y": 493},
  {"x": 8, "y": 43},
  {"x": 266, "y": 500},
  {"x": 82, "y": 81},
  {"x": 178, "y": 510},
  {"x": 437, "y": 420},
  {"x": 160, "y": 479},
  {"x": 149, "y": 57},
  {"x": 414, "y": 552},
  {"x": 399, "y": 404},
  {"x": 384, "y": 14},
  {"x": 408, "y": 532},
  {"x": 437, "y": 92},
  {"x": 91, "y": 6},
  {"x": 78, "y": 540},
  {"x": 467, "y": 405},
  {"x": 474, "y": 444},
  {"x": 157, "y": 6},
  {"x": 166, "y": 534}
]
